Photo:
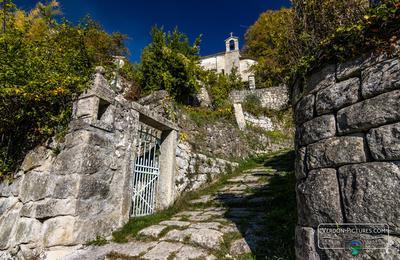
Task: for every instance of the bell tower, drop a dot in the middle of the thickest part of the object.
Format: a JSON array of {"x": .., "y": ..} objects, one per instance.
[
  {"x": 232, "y": 43},
  {"x": 232, "y": 54}
]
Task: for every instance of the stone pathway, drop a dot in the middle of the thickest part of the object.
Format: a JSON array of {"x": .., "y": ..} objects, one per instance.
[{"x": 228, "y": 224}]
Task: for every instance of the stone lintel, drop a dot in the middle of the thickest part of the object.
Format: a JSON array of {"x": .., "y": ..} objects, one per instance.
[{"x": 152, "y": 119}]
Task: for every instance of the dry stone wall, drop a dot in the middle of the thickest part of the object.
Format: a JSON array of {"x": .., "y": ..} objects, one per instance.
[
  {"x": 276, "y": 98},
  {"x": 348, "y": 153},
  {"x": 194, "y": 170}
]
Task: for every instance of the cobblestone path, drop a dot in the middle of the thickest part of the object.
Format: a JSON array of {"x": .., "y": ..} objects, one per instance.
[{"x": 227, "y": 224}]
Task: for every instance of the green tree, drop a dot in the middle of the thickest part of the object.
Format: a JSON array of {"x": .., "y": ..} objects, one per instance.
[
  {"x": 268, "y": 41},
  {"x": 44, "y": 66},
  {"x": 171, "y": 63},
  {"x": 220, "y": 86}
]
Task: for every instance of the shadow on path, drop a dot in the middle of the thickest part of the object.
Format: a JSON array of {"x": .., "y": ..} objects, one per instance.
[{"x": 265, "y": 213}]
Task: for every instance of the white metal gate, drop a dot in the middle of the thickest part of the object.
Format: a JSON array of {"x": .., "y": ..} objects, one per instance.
[{"x": 146, "y": 171}]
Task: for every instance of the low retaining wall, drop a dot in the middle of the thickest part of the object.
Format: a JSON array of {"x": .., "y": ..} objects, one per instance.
[
  {"x": 194, "y": 170},
  {"x": 348, "y": 156},
  {"x": 276, "y": 98}
]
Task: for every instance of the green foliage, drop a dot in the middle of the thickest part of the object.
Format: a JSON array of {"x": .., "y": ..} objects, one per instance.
[
  {"x": 204, "y": 116},
  {"x": 338, "y": 30},
  {"x": 170, "y": 63},
  {"x": 252, "y": 104},
  {"x": 45, "y": 65},
  {"x": 220, "y": 85},
  {"x": 100, "y": 241},
  {"x": 289, "y": 43},
  {"x": 269, "y": 41}
]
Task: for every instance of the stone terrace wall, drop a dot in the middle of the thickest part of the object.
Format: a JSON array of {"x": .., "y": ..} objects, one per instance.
[
  {"x": 348, "y": 152},
  {"x": 194, "y": 170},
  {"x": 276, "y": 98}
]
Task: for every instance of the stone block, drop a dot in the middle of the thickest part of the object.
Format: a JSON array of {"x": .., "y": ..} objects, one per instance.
[
  {"x": 102, "y": 223},
  {"x": 305, "y": 244},
  {"x": 207, "y": 238},
  {"x": 318, "y": 198},
  {"x": 305, "y": 109},
  {"x": 59, "y": 231},
  {"x": 300, "y": 163},
  {"x": 384, "y": 142},
  {"x": 36, "y": 186},
  {"x": 82, "y": 159},
  {"x": 92, "y": 186},
  {"x": 6, "y": 204},
  {"x": 380, "y": 78},
  {"x": 8, "y": 221},
  {"x": 190, "y": 252},
  {"x": 163, "y": 250},
  {"x": 153, "y": 231},
  {"x": 49, "y": 208},
  {"x": 239, "y": 247},
  {"x": 338, "y": 96},
  {"x": 320, "y": 79},
  {"x": 8, "y": 189},
  {"x": 87, "y": 107},
  {"x": 370, "y": 193},
  {"x": 28, "y": 231},
  {"x": 317, "y": 129},
  {"x": 35, "y": 158},
  {"x": 349, "y": 69},
  {"x": 66, "y": 186},
  {"x": 374, "y": 112},
  {"x": 335, "y": 152}
]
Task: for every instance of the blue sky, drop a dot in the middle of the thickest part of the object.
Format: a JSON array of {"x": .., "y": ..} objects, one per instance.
[{"x": 214, "y": 19}]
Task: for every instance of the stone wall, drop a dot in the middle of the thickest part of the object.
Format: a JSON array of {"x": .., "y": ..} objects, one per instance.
[
  {"x": 348, "y": 153},
  {"x": 69, "y": 192},
  {"x": 276, "y": 98},
  {"x": 194, "y": 170}
]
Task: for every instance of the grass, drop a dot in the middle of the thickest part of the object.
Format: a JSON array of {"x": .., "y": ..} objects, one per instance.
[
  {"x": 99, "y": 241},
  {"x": 117, "y": 256},
  {"x": 281, "y": 214},
  {"x": 224, "y": 248},
  {"x": 204, "y": 116},
  {"x": 130, "y": 230}
]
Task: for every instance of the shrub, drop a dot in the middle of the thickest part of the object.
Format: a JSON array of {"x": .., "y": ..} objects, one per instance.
[
  {"x": 252, "y": 104},
  {"x": 170, "y": 63},
  {"x": 220, "y": 86}
]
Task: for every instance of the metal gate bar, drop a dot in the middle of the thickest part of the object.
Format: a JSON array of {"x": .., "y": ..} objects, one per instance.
[{"x": 146, "y": 171}]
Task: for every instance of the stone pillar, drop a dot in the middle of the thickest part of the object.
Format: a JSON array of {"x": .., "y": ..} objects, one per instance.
[
  {"x": 165, "y": 196},
  {"x": 240, "y": 119},
  {"x": 348, "y": 151}
]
